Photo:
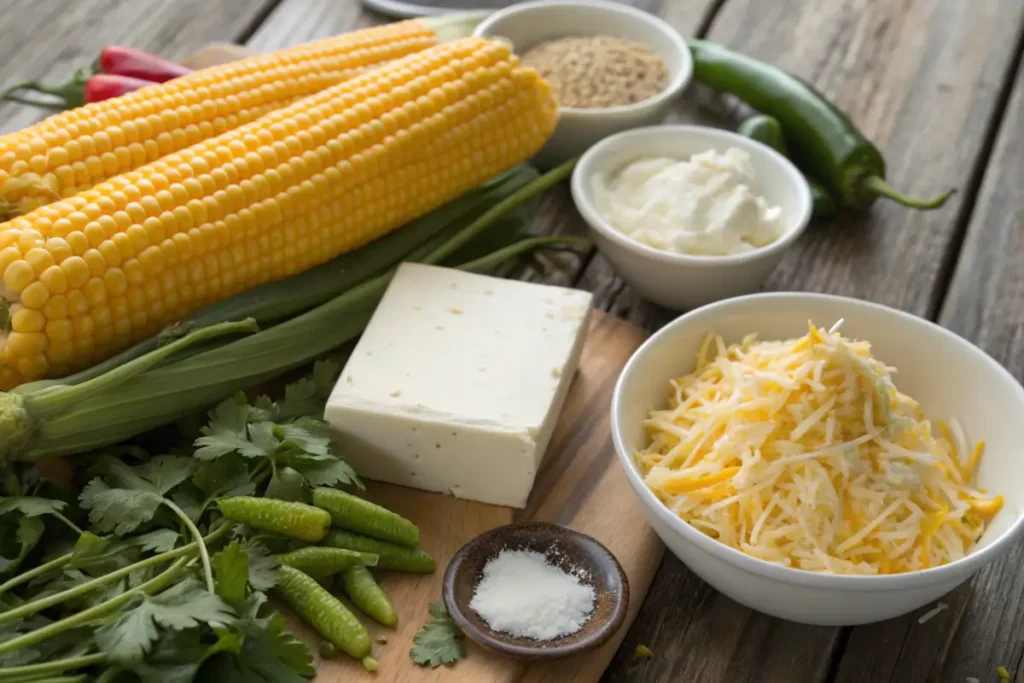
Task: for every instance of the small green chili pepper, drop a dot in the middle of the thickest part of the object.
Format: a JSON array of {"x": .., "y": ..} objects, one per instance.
[
  {"x": 389, "y": 556},
  {"x": 368, "y": 596},
  {"x": 352, "y": 512},
  {"x": 321, "y": 562},
  {"x": 295, "y": 520},
  {"x": 323, "y": 612},
  {"x": 822, "y": 139},
  {"x": 768, "y": 130}
]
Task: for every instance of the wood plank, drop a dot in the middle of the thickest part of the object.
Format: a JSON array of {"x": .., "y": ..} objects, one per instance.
[
  {"x": 299, "y": 21},
  {"x": 47, "y": 40},
  {"x": 981, "y": 629},
  {"x": 922, "y": 78}
]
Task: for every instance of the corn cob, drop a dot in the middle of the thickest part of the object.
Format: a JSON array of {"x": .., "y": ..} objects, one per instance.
[
  {"x": 89, "y": 275},
  {"x": 72, "y": 151}
]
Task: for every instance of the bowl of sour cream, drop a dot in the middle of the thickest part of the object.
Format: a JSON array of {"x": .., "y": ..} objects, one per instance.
[{"x": 688, "y": 215}]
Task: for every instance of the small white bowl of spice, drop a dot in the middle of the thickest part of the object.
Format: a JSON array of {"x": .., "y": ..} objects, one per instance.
[
  {"x": 611, "y": 67},
  {"x": 689, "y": 215}
]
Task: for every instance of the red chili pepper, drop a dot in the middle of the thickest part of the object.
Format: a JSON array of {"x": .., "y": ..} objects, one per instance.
[
  {"x": 81, "y": 89},
  {"x": 127, "y": 61},
  {"x": 104, "y": 86}
]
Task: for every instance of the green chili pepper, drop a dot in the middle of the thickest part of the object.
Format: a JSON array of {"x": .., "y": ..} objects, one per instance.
[
  {"x": 768, "y": 130},
  {"x": 823, "y": 140},
  {"x": 389, "y": 556},
  {"x": 367, "y": 595},
  {"x": 321, "y": 562},
  {"x": 295, "y": 520},
  {"x": 351, "y": 512},
  {"x": 323, "y": 612}
]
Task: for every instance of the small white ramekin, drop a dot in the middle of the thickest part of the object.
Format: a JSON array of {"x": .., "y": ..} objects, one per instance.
[
  {"x": 529, "y": 23},
  {"x": 683, "y": 281}
]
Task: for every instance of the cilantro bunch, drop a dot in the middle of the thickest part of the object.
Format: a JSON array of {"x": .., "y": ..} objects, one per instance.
[{"x": 138, "y": 578}]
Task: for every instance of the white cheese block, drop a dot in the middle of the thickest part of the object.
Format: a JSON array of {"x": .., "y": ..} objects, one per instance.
[{"x": 457, "y": 383}]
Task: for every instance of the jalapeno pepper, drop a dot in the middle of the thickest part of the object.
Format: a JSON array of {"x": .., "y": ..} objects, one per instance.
[
  {"x": 822, "y": 139},
  {"x": 768, "y": 130}
]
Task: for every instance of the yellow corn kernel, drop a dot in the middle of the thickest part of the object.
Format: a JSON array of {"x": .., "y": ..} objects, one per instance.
[
  {"x": 101, "y": 140},
  {"x": 346, "y": 170}
]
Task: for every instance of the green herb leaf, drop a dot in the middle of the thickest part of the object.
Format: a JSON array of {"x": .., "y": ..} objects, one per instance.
[
  {"x": 334, "y": 472},
  {"x": 190, "y": 500},
  {"x": 27, "y": 536},
  {"x": 174, "y": 658},
  {"x": 439, "y": 641},
  {"x": 99, "y": 555},
  {"x": 325, "y": 376},
  {"x": 232, "y": 570},
  {"x": 180, "y": 607},
  {"x": 165, "y": 472},
  {"x": 273, "y": 653},
  {"x": 31, "y": 506},
  {"x": 223, "y": 476},
  {"x": 118, "y": 511},
  {"x": 308, "y": 435},
  {"x": 228, "y": 431},
  {"x": 262, "y": 436},
  {"x": 262, "y": 567},
  {"x": 158, "y": 541}
]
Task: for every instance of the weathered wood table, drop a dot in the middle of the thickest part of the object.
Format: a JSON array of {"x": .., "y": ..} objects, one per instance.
[{"x": 936, "y": 83}]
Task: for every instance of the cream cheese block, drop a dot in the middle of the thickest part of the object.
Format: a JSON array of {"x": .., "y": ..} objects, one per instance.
[{"x": 458, "y": 381}]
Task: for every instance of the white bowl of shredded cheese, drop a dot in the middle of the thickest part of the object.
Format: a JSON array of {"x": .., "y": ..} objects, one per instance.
[
  {"x": 826, "y": 476},
  {"x": 689, "y": 214}
]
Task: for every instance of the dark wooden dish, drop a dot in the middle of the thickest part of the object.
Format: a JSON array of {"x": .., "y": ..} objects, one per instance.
[{"x": 564, "y": 548}]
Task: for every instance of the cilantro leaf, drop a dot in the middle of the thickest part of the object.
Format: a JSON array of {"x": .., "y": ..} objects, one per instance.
[
  {"x": 272, "y": 653},
  {"x": 333, "y": 472},
  {"x": 262, "y": 566},
  {"x": 300, "y": 398},
  {"x": 165, "y": 472},
  {"x": 158, "y": 541},
  {"x": 183, "y": 606},
  {"x": 174, "y": 658},
  {"x": 120, "y": 511},
  {"x": 308, "y": 435},
  {"x": 99, "y": 554},
  {"x": 228, "y": 431},
  {"x": 190, "y": 501},
  {"x": 439, "y": 641},
  {"x": 31, "y": 506},
  {"x": 232, "y": 569},
  {"x": 223, "y": 476},
  {"x": 262, "y": 436},
  {"x": 29, "y": 532}
]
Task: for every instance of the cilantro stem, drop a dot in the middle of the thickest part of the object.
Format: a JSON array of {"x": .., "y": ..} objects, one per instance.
[
  {"x": 54, "y": 667},
  {"x": 56, "y": 399},
  {"x": 204, "y": 554},
  {"x": 154, "y": 585},
  {"x": 40, "y": 604},
  {"x": 71, "y": 525},
  {"x": 24, "y": 577}
]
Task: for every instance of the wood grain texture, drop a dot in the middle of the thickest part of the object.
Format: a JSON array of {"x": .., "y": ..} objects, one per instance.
[
  {"x": 580, "y": 485},
  {"x": 48, "y": 39},
  {"x": 981, "y": 630}
]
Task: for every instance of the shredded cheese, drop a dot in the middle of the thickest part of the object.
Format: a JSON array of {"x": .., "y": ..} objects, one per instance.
[{"x": 804, "y": 453}]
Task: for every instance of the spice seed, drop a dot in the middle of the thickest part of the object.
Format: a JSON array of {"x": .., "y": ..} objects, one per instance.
[{"x": 598, "y": 71}]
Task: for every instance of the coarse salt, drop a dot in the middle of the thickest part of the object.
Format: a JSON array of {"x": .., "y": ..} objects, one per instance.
[{"x": 523, "y": 594}]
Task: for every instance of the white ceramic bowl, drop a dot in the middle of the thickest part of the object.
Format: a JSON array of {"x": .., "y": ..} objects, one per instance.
[
  {"x": 529, "y": 23},
  {"x": 681, "y": 281},
  {"x": 949, "y": 376}
]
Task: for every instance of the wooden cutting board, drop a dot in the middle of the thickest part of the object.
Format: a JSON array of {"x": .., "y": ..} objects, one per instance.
[{"x": 579, "y": 485}]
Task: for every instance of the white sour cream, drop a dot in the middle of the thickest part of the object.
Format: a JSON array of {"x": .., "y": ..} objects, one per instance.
[{"x": 708, "y": 205}]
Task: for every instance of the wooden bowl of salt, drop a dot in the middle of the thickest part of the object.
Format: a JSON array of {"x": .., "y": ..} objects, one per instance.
[{"x": 535, "y": 591}]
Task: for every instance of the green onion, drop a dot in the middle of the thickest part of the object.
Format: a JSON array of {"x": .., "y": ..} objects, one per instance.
[{"x": 71, "y": 419}]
